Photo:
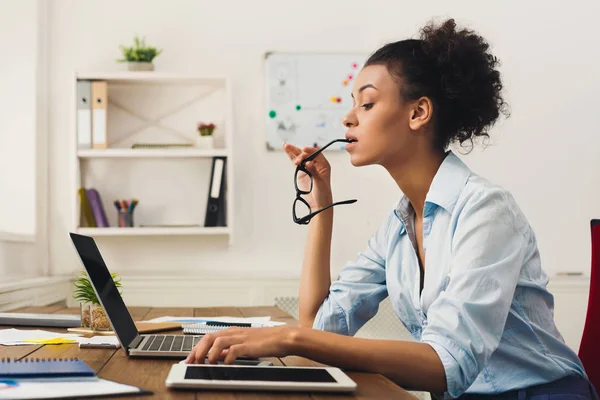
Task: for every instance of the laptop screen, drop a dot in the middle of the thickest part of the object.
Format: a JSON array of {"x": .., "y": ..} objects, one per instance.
[{"x": 105, "y": 288}]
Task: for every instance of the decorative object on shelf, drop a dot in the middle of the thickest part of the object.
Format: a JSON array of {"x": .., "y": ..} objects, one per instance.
[
  {"x": 92, "y": 314},
  {"x": 205, "y": 140},
  {"x": 125, "y": 212},
  {"x": 139, "y": 56},
  {"x": 159, "y": 145}
]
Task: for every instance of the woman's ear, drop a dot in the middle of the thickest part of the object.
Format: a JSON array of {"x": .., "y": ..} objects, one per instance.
[{"x": 420, "y": 113}]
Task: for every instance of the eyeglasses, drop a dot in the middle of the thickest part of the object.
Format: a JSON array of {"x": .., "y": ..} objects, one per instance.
[{"x": 301, "y": 207}]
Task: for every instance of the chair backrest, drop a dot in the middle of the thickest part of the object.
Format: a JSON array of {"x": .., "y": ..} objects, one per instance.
[{"x": 589, "y": 349}]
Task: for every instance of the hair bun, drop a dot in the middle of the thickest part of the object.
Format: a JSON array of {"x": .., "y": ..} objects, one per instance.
[{"x": 469, "y": 87}]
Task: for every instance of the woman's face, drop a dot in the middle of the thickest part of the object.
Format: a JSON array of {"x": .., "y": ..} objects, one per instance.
[{"x": 380, "y": 120}]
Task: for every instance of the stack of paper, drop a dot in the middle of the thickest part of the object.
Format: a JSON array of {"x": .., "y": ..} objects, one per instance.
[
  {"x": 263, "y": 321},
  {"x": 16, "y": 337}
]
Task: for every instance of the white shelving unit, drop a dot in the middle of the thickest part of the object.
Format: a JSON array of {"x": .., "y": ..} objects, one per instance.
[{"x": 171, "y": 184}]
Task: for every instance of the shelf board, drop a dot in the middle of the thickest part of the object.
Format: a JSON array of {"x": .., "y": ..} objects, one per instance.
[
  {"x": 154, "y": 231},
  {"x": 152, "y": 153},
  {"x": 152, "y": 77}
]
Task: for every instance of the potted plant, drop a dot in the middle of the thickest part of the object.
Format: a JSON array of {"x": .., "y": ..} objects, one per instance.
[
  {"x": 205, "y": 139},
  {"x": 92, "y": 314},
  {"x": 139, "y": 56}
]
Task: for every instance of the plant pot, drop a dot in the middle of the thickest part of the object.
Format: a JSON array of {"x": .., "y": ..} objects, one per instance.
[
  {"x": 140, "y": 66},
  {"x": 205, "y": 142},
  {"x": 93, "y": 316}
]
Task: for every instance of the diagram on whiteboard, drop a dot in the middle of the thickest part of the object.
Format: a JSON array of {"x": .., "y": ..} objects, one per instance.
[{"x": 308, "y": 96}]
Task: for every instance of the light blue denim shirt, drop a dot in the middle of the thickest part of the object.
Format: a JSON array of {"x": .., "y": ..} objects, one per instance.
[{"x": 484, "y": 307}]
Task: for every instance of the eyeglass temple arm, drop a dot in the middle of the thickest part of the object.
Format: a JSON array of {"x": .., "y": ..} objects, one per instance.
[
  {"x": 329, "y": 206},
  {"x": 316, "y": 153}
]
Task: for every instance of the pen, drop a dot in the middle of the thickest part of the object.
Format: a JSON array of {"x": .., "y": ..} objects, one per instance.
[
  {"x": 132, "y": 205},
  {"x": 239, "y": 325},
  {"x": 208, "y": 322}
]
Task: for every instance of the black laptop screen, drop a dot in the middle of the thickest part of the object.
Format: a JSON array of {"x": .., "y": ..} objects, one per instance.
[{"x": 105, "y": 288}]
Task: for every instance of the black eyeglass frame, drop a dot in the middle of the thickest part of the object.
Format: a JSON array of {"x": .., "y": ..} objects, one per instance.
[{"x": 302, "y": 168}]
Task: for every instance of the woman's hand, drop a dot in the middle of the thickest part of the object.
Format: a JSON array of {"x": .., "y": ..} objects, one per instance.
[
  {"x": 248, "y": 342},
  {"x": 321, "y": 195}
]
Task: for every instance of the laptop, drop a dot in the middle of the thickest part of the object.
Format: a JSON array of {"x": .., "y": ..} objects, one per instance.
[{"x": 134, "y": 344}]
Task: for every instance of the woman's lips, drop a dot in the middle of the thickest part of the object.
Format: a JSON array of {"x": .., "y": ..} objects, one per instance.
[{"x": 350, "y": 146}]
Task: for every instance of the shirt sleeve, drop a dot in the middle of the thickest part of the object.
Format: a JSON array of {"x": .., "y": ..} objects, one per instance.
[
  {"x": 355, "y": 296},
  {"x": 466, "y": 321}
]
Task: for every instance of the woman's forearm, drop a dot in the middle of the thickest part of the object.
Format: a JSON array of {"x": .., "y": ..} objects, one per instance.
[
  {"x": 410, "y": 364},
  {"x": 315, "y": 277}
]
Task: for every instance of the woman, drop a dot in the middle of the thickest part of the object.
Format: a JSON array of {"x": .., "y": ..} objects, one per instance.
[{"x": 456, "y": 255}]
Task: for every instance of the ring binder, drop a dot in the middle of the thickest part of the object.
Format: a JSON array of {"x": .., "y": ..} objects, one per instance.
[{"x": 216, "y": 203}]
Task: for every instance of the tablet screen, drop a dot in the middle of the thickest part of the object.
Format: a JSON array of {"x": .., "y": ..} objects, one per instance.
[{"x": 270, "y": 374}]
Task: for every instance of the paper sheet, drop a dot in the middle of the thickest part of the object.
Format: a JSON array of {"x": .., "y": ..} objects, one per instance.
[
  {"x": 265, "y": 321},
  {"x": 45, "y": 390},
  {"x": 16, "y": 337}
]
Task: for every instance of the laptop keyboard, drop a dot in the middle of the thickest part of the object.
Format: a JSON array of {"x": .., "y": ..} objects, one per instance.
[{"x": 170, "y": 343}]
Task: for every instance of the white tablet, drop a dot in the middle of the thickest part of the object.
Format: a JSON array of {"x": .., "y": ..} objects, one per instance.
[{"x": 275, "y": 378}]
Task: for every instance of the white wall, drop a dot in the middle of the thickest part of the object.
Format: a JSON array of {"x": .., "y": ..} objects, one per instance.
[
  {"x": 18, "y": 41},
  {"x": 22, "y": 140},
  {"x": 17, "y": 261},
  {"x": 546, "y": 154}
]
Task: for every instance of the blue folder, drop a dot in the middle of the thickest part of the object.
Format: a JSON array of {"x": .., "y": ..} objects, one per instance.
[{"x": 45, "y": 369}]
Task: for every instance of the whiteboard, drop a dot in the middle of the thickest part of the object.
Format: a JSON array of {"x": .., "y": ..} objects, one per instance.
[{"x": 308, "y": 96}]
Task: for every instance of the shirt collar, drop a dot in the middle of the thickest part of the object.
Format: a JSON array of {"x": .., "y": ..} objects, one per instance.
[
  {"x": 448, "y": 182},
  {"x": 445, "y": 188}
]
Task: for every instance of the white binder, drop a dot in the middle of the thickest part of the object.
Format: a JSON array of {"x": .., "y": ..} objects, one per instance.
[{"x": 84, "y": 115}]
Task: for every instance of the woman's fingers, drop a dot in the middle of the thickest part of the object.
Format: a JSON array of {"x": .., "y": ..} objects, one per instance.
[
  {"x": 235, "y": 351},
  {"x": 291, "y": 150},
  {"x": 199, "y": 352},
  {"x": 303, "y": 155},
  {"x": 220, "y": 345}
]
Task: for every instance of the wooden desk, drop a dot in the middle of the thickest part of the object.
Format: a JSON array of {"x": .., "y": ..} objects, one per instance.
[{"x": 151, "y": 374}]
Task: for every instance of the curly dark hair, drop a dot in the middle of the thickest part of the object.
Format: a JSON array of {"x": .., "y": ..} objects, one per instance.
[{"x": 455, "y": 70}]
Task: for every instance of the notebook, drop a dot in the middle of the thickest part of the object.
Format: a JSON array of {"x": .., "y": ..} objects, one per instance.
[
  {"x": 203, "y": 328},
  {"x": 42, "y": 369}
]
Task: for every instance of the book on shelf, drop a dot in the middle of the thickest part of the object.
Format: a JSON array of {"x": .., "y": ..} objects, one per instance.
[
  {"x": 160, "y": 145},
  {"x": 170, "y": 226},
  {"x": 92, "y": 212},
  {"x": 97, "y": 208}
]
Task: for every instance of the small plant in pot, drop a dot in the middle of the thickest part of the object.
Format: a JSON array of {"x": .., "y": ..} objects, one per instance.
[
  {"x": 139, "y": 56},
  {"x": 205, "y": 138},
  {"x": 92, "y": 314}
]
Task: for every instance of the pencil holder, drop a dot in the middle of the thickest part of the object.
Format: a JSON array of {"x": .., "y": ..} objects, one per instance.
[{"x": 125, "y": 219}]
